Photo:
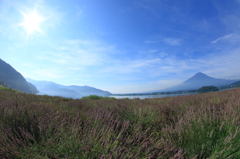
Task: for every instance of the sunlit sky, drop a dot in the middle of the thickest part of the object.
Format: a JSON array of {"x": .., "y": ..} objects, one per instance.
[{"x": 121, "y": 46}]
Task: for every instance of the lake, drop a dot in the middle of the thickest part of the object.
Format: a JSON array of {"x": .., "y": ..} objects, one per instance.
[{"x": 148, "y": 96}]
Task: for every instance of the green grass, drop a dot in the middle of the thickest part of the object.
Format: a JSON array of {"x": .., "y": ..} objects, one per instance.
[
  {"x": 95, "y": 97},
  {"x": 9, "y": 89},
  {"x": 193, "y": 126},
  {"x": 3, "y": 88},
  {"x": 92, "y": 97}
]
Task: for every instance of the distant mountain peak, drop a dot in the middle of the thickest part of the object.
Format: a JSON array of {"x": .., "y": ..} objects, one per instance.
[
  {"x": 199, "y": 73},
  {"x": 199, "y": 76}
]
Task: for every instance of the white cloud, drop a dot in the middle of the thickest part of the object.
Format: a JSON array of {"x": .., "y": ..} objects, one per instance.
[
  {"x": 79, "y": 53},
  {"x": 151, "y": 7},
  {"x": 149, "y": 41},
  {"x": 148, "y": 52},
  {"x": 228, "y": 37},
  {"x": 176, "y": 66},
  {"x": 142, "y": 5},
  {"x": 49, "y": 73},
  {"x": 168, "y": 83},
  {"x": 166, "y": 40},
  {"x": 172, "y": 41},
  {"x": 132, "y": 66},
  {"x": 225, "y": 65},
  {"x": 153, "y": 51}
]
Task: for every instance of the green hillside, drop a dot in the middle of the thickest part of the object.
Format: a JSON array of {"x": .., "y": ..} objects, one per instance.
[
  {"x": 7, "y": 88},
  {"x": 3, "y": 88}
]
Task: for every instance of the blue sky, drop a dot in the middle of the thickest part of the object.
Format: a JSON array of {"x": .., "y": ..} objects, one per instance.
[{"x": 122, "y": 46}]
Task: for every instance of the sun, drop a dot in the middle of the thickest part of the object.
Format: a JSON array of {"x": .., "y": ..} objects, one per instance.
[{"x": 32, "y": 22}]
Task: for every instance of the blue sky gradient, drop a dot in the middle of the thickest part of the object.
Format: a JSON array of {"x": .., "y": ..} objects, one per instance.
[{"x": 122, "y": 46}]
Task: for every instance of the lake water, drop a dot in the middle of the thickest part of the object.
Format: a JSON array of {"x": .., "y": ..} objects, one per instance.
[
  {"x": 148, "y": 96},
  {"x": 139, "y": 96}
]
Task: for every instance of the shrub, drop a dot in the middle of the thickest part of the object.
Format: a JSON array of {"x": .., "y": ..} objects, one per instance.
[
  {"x": 207, "y": 89},
  {"x": 92, "y": 97}
]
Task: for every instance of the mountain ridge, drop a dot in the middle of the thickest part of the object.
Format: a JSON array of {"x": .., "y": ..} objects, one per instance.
[
  {"x": 72, "y": 91},
  {"x": 14, "y": 79},
  {"x": 236, "y": 84}
]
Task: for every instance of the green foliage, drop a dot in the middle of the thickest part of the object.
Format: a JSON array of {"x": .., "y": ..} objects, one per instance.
[
  {"x": 67, "y": 99},
  {"x": 96, "y": 97},
  {"x": 207, "y": 89},
  {"x": 193, "y": 126},
  {"x": 205, "y": 138},
  {"x": 3, "y": 88},
  {"x": 92, "y": 97},
  {"x": 8, "y": 89}
]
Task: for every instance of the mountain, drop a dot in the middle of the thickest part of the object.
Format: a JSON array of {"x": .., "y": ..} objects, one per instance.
[
  {"x": 199, "y": 80},
  {"x": 4, "y": 84},
  {"x": 73, "y": 91},
  {"x": 235, "y": 84},
  {"x": 32, "y": 87},
  {"x": 54, "y": 89},
  {"x": 13, "y": 78},
  {"x": 86, "y": 90}
]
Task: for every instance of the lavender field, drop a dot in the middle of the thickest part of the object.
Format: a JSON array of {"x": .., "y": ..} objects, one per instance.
[{"x": 192, "y": 126}]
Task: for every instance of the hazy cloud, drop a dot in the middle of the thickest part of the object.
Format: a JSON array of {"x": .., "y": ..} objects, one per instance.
[
  {"x": 49, "y": 73},
  {"x": 152, "y": 51},
  {"x": 225, "y": 64},
  {"x": 79, "y": 53},
  {"x": 131, "y": 66},
  {"x": 149, "y": 41},
  {"x": 168, "y": 83},
  {"x": 228, "y": 37},
  {"x": 172, "y": 41},
  {"x": 166, "y": 40}
]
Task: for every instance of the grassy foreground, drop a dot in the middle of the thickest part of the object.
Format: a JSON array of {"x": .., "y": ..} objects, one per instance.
[{"x": 193, "y": 126}]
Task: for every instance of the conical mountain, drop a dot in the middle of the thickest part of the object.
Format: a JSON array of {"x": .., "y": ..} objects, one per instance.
[
  {"x": 199, "y": 80},
  {"x": 199, "y": 77},
  {"x": 13, "y": 78}
]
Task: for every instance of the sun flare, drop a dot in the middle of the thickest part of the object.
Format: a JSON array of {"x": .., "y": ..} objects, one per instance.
[{"x": 32, "y": 22}]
